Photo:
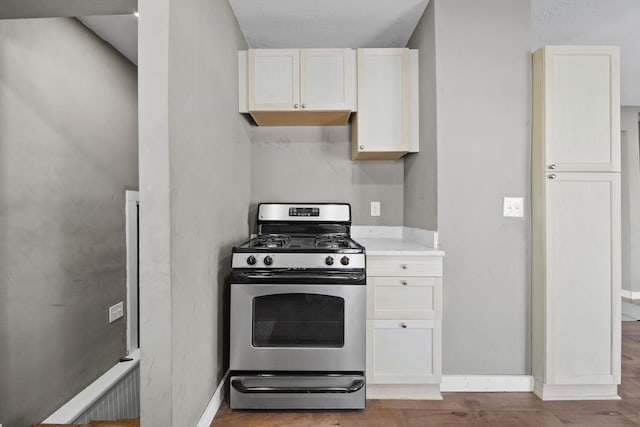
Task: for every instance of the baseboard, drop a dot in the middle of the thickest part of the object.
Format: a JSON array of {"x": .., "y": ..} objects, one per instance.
[
  {"x": 78, "y": 404},
  {"x": 404, "y": 391},
  {"x": 214, "y": 404},
  {"x": 486, "y": 383},
  {"x": 632, "y": 295},
  {"x": 576, "y": 391}
]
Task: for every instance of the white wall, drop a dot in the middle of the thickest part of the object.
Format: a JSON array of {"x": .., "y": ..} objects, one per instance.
[
  {"x": 194, "y": 191},
  {"x": 629, "y": 118},
  {"x": 68, "y": 152},
  {"x": 483, "y": 68}
]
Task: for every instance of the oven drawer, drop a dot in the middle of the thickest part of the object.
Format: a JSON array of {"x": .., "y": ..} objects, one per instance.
[
  {"x": 404, "y": 297},
  {"x": 404, "y": 266},
  {"x": 333, "y": 391}
]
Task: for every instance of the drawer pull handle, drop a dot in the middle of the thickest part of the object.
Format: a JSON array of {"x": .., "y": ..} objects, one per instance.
[
  {"x": 403, "y": 325},
  {"x": 404, "y": 266},
  {"x": 404, "y": 283}
]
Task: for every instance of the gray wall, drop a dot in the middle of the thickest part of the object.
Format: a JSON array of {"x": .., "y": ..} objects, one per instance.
[
  {"x": 630, "y": 141},
  {"x": 313, "y": 164},
  {"x": 482, "y": 56},
  {"x": 194, "y": 180},
  {"x": 420, "y": 169},
  {"x": 68, "y": 151}
]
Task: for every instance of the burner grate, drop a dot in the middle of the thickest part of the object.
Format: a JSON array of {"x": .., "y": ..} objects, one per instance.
[{"x": 270, "y": 241}]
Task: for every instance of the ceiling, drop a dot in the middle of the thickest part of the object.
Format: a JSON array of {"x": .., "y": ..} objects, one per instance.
[
  {"x": 365, "y": 23},
  {"x": 327, "y": 23}
]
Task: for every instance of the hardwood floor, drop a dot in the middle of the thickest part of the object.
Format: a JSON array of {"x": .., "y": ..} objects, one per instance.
[{"x": 471, "y": 409}]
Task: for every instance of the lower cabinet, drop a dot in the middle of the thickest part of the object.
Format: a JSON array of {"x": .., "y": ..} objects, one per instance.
[
  {"x": 402, "y": 352},
  {"x": 404, "y": 327}
]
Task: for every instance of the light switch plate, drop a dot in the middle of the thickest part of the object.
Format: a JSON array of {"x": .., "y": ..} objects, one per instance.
[
  {"x": 375, "y": 208},
  {"x": 116, "y": 311},
  {"x": 513, "y": 207}
]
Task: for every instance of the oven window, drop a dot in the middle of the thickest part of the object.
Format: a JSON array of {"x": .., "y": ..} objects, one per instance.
[{"x": 298, "y": 320}]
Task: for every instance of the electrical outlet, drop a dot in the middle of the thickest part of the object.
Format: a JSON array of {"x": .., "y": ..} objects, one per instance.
[
  {"x": 513, "y": 207},
  {"x": 375, "y": 208},
  {"x": 116, "y": 311}
]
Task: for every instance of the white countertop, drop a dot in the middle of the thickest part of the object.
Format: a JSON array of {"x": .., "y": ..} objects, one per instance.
[
  {"x": 397, "y": 246},
  {"x": 397, "y": 241}
]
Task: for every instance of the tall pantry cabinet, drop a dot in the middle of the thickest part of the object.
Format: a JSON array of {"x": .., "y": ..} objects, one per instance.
[{"x": 576, "y": 272}]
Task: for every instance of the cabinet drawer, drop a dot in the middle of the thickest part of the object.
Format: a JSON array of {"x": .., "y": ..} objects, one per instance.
[
  {"x": 405, "y": 297},
  {"x": 404, "y": 266},
  {"x": 403, "y": 351}
]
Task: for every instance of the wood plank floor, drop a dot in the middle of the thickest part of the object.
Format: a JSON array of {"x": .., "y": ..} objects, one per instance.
[{"x": 471, "y": 409}]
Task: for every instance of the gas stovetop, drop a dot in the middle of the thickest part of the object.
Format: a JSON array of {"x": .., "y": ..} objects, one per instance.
[
  {"x": 291, "y": 242},
  {"x": 301, "y": 236}
]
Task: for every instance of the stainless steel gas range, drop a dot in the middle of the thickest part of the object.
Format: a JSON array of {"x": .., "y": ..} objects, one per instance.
[{"x": 298, "y": 311}]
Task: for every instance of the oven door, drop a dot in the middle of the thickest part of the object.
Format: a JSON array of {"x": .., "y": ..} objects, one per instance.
[{"x": 298, "y": 327}]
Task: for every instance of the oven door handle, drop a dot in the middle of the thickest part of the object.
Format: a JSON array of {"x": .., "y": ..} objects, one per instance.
[{"x": 355, "y": 386}]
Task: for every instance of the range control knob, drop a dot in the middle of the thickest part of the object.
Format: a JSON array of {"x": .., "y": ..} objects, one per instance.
[
  {"x": 344, "y": 260},
  {"x": 268, "y": 260},
  {"x": 251, "y": 260},
  {"x": 328, "y": 260}
]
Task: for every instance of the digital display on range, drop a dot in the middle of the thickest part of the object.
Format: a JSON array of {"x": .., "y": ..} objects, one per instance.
[{"x": 304, "y": 211}]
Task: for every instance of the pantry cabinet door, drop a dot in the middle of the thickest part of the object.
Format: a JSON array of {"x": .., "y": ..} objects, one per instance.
[
  {"x": 274, "y": 80},
  {"x": 582, "y": 108},
  {"x": 583, "y": 278}
]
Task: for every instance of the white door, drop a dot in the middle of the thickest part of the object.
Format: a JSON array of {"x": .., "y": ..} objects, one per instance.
[
  {"x": 583, "y": 278},
  {"x": 326, "y": 77},
  {"x": 582, "y": 108},
  {"x": 274, "y": 80}
]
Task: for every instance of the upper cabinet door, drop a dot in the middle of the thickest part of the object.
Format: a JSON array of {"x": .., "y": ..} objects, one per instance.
[
  {"x": 327, "y": 79},
  {"x": 382, "y": 127},
  {"x": 582, "y": 108},
  {"x": 274, "y": 82}
]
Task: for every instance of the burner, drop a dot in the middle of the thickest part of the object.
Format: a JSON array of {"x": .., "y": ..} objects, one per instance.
[
  {"x": 270, "y": 241},
  {"x": 330, "y": 242}
]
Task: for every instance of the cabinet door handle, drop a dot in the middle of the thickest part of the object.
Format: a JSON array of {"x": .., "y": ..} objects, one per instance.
[
  {"x": 404, "y": 283},
  {"x": 403, "y": 325},
  {"x": 553, "y": 176},
  {"x": 295, "y": 106},
  {"x": 304, "y": 105},
  {"x": 362, "y": 147},
  {"x": 404, "y": 266},
  {"x": 552, "y": 166}
]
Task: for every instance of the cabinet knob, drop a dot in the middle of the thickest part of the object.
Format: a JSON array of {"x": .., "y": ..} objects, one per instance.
[
  {"x": 404, "y": 266},
  {"x": 553, "y": 176},
  {"x": 304, "y": 105},
  {"x": 362, "y": 147},
  {"x": 403, "y": 325},
  {"x": 552, "y": 166},
  {"x": 295, "y": 106},
  {"x": 404, "y": 283}
]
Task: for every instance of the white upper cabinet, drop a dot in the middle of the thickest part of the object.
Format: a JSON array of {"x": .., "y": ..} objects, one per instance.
[
  {"x": 581, "y": 107},
  {"x": 385, "y": 127},
  {"x": 317, "y": 84},
  {"x": 274, "y": 80},
  {"x": 327, "y": 79}
]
